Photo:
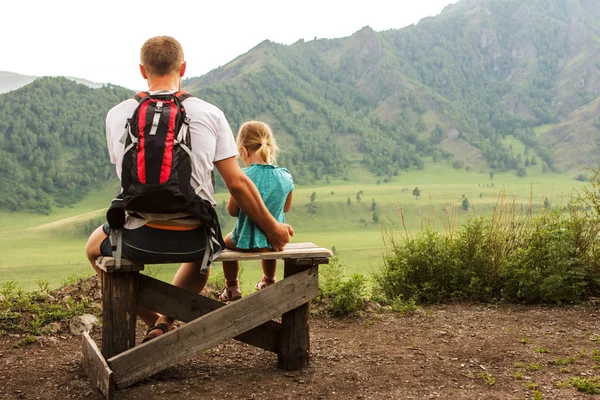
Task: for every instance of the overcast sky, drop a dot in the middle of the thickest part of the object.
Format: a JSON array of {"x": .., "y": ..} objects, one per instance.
[{"x": 100, "y": 41}]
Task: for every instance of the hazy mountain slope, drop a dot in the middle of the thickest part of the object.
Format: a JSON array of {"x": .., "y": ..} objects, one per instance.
[{"x": 11, "y": 81}]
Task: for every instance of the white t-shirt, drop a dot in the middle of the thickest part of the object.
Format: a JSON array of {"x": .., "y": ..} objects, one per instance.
[{"x": 210, "y": 133}]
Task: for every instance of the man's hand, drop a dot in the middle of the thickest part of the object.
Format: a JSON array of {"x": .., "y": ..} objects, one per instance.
[{"x": 280, "y": 236}]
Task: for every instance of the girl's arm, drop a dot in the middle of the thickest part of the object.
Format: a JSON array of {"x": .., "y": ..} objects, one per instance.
[
  {"x": 288, "y": 203},
  {"x": 232, "y": 208}
]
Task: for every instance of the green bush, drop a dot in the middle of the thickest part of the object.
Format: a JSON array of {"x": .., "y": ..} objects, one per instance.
[
  {"x": 347, "y": 295},
  {"x": 510, "y": 255}
]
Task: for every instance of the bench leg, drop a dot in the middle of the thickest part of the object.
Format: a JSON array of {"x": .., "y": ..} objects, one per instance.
[
  {"x": 119, "y": 301},
  {"x": 294, "y": 344}
]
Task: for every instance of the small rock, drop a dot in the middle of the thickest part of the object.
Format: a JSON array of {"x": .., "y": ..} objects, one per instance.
[
  {"x": 82, "y": 323},
  {"x": 53, "y": 327},
  {"x": 50, "y": 299}
]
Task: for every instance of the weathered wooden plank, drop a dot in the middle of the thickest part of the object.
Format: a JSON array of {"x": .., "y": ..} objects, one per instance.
[
  {"x": 108, "y": 264},
  {"x": 96, "y": 368},
  {"x": 186, "y": 306},
  {"x": 292, "y": 250},
  {"x": 312, "y": 261},
  {"x": 119, "y": 292},
  {"x": 295, "y": 340},
  {"x": 207, "y": 331}
]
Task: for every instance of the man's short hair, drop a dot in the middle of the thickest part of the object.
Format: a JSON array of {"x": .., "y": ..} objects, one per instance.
[{"x": 161, "y": 55}]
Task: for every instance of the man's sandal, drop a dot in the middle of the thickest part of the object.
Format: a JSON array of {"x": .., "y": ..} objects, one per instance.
[
  {"x": 264, "y": 282},
  {"x": 232, "y": 292},
  {"x": 162, "y": 327}
]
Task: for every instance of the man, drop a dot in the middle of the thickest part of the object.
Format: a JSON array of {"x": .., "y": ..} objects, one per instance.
[{"x": 213, "y": 145}]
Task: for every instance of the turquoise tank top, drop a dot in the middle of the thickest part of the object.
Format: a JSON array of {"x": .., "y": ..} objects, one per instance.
[{"x": 274, "y": 185}]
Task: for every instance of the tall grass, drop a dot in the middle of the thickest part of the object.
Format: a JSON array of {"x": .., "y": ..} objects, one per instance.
[{"x": 512, "y": 255}]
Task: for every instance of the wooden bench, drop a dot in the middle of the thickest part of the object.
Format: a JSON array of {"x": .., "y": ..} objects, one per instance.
[{"x": 120, "y": 363}]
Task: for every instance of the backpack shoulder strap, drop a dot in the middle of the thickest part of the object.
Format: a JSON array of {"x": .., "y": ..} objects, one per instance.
[
  {"x": 141, "y": 96},
  {"x": 182, "y": 95}
]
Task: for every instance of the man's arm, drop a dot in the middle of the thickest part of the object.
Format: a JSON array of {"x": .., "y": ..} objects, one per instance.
[
  {"x": 232, "y": 208},
  {"x": 248, "y": 199}
]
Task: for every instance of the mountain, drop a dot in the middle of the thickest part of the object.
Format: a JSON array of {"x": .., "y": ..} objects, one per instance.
[
  {"x": 486, "y": 85},
  {"x": 10, "y": 81},
  {"x": 453, "y": 86},
  {"x": 52, "y": 142}
]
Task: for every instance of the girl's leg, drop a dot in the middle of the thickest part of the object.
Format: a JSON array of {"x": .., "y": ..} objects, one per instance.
[
  {"x": 269, "y": 268},
  {"x": 231, "y": 270}
]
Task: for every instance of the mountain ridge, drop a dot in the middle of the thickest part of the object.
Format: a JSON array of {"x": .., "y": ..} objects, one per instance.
[{"x": 459, "y": 88}]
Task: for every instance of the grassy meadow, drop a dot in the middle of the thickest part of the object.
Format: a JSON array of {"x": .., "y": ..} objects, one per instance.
[{"x": 34, "y": 247}]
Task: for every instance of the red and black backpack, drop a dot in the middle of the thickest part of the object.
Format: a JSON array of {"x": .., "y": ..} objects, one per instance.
[{"x": 157, "y": 162}]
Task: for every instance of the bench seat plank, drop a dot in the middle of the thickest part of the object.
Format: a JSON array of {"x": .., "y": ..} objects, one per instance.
[{"x": 291, "y": 251}]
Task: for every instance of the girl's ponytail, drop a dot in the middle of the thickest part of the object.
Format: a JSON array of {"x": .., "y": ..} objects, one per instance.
[{"x": 257, "y": 137}]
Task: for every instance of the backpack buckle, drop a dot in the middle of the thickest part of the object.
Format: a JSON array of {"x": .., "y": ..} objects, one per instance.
[{"x": 159, "y": 106}]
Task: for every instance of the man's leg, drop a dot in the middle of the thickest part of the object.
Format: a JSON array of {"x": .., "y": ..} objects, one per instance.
[
  {"x": 92, "y": 251},
  {"x": 187, "y": 277},
  {"x": 92, "y": 248}
]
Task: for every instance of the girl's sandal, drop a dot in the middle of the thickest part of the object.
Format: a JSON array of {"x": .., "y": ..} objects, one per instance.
[
  {"x": 162, "y": 327},
  {"x": 264, "y": 282},
  {"x": 232, "y": 292}
]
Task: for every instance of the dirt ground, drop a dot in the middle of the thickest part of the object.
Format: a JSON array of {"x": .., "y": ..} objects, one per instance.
[{"x": 454, "y": 351}]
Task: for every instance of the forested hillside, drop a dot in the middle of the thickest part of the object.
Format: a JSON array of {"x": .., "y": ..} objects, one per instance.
[
  {"x": 451, "y": 86},
  {"x": 52, "y": 142},
  {"x": 460, "y": 88}
]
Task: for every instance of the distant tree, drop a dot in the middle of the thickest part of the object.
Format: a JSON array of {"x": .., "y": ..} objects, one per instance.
[
  {"x": 375, "y": 217},
  {"x": 581, "y": 178},
  {"x": 533, "y": 160},
  {"x": 348, "y": 202},
  {"x": 358, "y": 197},
  {"x": 373, "y": 205},
  {"x": 521, "y": 172},
  {"x": 546, "y": 203},
  {"x": 458, "y": 164},
  {"x": 466, "y": 204},
  {"x": 363, "y": 221},
  {"x": 416, "y": 192},
  {"x": 313, "y": 196},
  {"x": 334, "y": 250},
  {"x": 481, "y": 195},
  {"x": 492, "y": 175}
]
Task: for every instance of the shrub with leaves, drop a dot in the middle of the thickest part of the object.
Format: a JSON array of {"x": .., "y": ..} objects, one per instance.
[
  {"x": 509, "y": 255},
  {"x": 347, "y": 295}
]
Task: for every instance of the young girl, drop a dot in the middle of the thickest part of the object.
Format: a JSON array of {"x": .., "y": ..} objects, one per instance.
[{"x": 258, "y": 151}]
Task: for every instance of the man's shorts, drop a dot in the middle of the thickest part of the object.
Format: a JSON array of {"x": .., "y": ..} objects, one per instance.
[{"x": 152, "y": 245}]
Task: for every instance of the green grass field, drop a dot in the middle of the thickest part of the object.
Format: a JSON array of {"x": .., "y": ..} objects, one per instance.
[{"x": 34, "y": 247}]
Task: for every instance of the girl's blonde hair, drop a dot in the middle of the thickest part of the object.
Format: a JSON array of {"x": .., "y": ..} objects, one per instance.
[{"x": 256, "y": 136}]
